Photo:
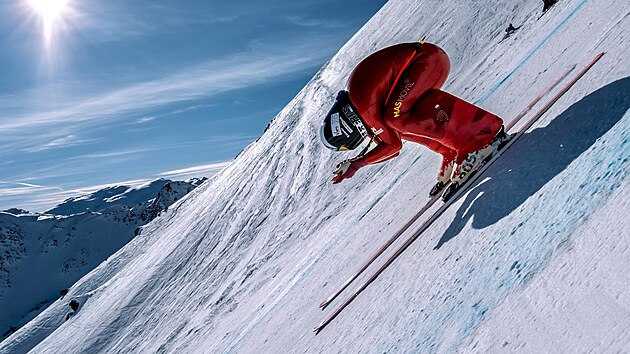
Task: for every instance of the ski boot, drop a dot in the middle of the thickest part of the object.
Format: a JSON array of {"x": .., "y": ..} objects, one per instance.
[
  {"x": 444, "y": 175},
  {"x": 473, "y": 162}
]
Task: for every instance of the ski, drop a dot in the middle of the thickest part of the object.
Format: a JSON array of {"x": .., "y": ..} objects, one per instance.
[
  {"x": 531, "y": 105},
  {"x": 432, "y": 201},
  {"x": 380, "y": 251},
  {"x": 445, "y": 206}
]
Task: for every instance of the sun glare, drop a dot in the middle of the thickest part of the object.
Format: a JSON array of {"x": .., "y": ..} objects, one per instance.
[{"x": 51, "y": 11}]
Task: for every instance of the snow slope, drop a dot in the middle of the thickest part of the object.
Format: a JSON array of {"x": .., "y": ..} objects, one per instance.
[
  {"x": 42, "y": 254},
  {"x": 533, "y": 259}
]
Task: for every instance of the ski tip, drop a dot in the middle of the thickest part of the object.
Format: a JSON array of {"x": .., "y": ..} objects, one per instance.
[
  {"x": 321, "y": 326},
  {"x": 324, "y": 304}
]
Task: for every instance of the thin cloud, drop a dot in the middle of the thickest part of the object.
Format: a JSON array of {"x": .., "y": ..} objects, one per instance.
[
  {"x": 192, "y": 108},
  {"x": 72, "y": 166},
  {"x": 145, "y": 119},
  {"x": 172, "y": 113},
  {"x": 30, "y": 185},
  {"x": 207, "y": 170},
  {"x": 35, "y": 203},
  {"x": 33, "y": 140},
  {"x": 208, "y": 79},
  {"x": 64, "y": 142},
  {"x": 115, "y": 21},
  {"x": 21, "y": 188},
  {"x": 216, "y": 142},
  {"x": 108, "y": 155},
  {"x": 302, "y": 21}
]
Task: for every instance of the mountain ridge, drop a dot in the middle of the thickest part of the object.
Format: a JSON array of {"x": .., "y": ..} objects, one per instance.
[{"x": 42, "y": 254}]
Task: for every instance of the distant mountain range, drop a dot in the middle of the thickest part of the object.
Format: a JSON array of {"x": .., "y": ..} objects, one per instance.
[{"x": 41, "y": 254}]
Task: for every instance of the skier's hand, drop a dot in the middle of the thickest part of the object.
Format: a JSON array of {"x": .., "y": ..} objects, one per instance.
[{"x": 347, "y": 169}]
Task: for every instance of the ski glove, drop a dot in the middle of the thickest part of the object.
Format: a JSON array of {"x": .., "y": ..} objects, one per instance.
[{"x": 347, "y": 169}]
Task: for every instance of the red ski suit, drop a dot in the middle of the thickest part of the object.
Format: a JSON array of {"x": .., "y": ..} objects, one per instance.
[{"x": 396, "y": 92}]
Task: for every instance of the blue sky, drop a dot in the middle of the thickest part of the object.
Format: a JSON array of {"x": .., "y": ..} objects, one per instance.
[{"x": 118, "y": 91}]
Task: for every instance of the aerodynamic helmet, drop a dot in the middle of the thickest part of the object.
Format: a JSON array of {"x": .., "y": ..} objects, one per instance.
[{"x": 343, "y": 128}]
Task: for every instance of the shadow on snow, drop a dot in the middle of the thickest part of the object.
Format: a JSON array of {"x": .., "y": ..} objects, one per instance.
[{"x": 537, "y": 157}]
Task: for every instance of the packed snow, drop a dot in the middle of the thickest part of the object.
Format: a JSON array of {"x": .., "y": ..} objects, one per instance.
[{"x": 532, "y": 259}]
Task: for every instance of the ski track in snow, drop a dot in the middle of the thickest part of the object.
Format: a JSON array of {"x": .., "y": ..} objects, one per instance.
[{"x": 534, "y": 259}]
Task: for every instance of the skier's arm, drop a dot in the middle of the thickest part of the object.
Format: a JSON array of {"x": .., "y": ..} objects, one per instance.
[
  {"x": 389, "y": 147},
  {"x": 347, "y": 168}
]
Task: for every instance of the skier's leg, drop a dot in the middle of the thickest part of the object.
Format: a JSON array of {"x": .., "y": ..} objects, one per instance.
[
  {"x": 448, "y": 154},
  {"x": 448, "y": 160},
  {"x": 453, "y": 122},
  {"x": 461, "y": 128}
]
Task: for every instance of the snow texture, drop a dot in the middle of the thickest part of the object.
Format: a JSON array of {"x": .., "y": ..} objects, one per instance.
[{"x": 532, "y": 260}]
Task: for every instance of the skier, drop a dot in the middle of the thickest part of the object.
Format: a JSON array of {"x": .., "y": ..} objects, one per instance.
[
  {"x": 394, "y": 94},
  {"x": 74, "y": 306},
  {"x": 510, "y": 30}
]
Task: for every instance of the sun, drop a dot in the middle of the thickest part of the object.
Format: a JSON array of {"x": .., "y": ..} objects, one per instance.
[
  {"x": 51, "y": 11},
  {"x": 48, "y": 8}
]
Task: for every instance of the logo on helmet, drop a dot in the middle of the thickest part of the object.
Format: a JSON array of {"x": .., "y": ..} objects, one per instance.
[
  {"x": 356, "y": 121},
  {"x": 335, "y": 126}
]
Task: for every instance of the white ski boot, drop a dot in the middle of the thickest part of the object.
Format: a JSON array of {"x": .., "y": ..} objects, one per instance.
[
  {"x": 473, "y": 162},
  {"x": 444, "y": 175}
]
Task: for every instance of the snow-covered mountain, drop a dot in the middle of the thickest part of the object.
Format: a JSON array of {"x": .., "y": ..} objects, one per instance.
[
  {"x": 43, "y": 254},
  {"x": 533, "y": 259}
]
